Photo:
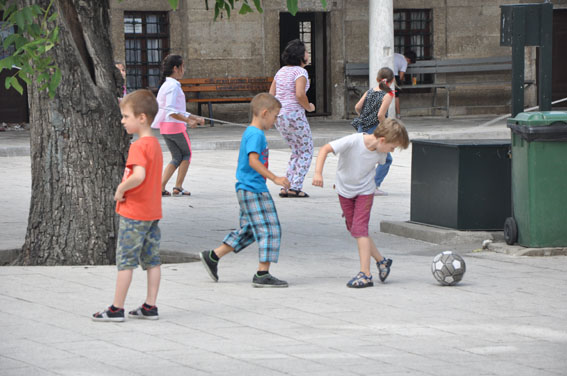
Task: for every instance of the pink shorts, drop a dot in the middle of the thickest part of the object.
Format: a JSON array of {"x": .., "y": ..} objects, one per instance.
[{"x": 356, "y": 211}]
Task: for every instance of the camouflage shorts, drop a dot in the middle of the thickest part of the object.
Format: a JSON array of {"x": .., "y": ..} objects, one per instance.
[{"x": 138, "y": 243}]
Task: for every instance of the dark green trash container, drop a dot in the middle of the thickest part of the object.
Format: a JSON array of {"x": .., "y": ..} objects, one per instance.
[{"x": 539, "y": 180}]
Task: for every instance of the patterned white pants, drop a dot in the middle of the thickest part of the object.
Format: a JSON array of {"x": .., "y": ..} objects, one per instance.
[{"x": 294, "y": 128}]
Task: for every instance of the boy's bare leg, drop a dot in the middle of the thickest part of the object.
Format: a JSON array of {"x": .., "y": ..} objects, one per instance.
[
  {"x": 122, "y": 284},
  {"x": 154, "y": 277},
  {"x": 223, "y": 250},
  {"x": 263, "y": 266},
  {"x": 366, "y": 248},
  {"x": 374, "y": 252},
  {"x": 167, "y": 173},
  {"x": 181, "y": 173}
]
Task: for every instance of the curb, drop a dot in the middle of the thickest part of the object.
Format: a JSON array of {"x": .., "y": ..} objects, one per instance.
[
  {"x": 518, "y": 250},
  {"x": 8, "y": 256},
  {"x": 437, "y": 235}
]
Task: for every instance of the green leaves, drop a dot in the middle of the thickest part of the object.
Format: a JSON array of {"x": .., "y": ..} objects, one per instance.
[
  {"x": 228, "y": 5},
  {"x": 32, "y": 39}
]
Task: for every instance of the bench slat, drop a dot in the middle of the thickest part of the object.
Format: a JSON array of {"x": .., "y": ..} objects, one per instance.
[
  {"x": 220, "y": 100},
  {"x": 460, "y": 68}
]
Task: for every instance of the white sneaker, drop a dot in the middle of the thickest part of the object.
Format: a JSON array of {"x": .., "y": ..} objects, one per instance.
[{"x": 379, "y": 192}]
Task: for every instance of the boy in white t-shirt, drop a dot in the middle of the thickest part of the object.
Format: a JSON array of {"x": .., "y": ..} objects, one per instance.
[{"x": 358, "y": 155}]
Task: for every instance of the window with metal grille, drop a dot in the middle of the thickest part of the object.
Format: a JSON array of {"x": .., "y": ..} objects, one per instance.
[
  {"x": 413, "y": 31},
  {"x": 305, "y": 35},
  {"x": 146, "y": 39}
]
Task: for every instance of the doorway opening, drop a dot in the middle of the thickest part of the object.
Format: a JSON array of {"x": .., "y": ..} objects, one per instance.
[{"x": 311, "y": 29}]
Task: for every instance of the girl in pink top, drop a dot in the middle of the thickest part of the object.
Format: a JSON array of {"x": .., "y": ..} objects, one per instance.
[
  {"x": 172, "y": 119},
  {"x": 290, "y": 86}
]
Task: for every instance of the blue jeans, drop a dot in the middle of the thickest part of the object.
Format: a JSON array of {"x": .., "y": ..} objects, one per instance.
[{"x": 381, "y": 170}]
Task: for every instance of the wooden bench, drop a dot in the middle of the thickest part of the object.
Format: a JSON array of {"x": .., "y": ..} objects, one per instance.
[
  {"x": 448, "y": 66},
  {"x": 223, "y": 90}
]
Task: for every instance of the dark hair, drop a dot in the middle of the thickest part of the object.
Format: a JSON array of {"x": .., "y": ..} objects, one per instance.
[
  {"x": 410, "y": 55},
  {"x": 169, "y": 62},
  {"x": 141, "y": 101},
  {"x": 294, "y": 53},
  {"x": 385, "y": 75}
]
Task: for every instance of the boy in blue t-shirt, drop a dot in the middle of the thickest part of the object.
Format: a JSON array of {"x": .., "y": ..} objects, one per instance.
[{"x": 258, "y": 216}]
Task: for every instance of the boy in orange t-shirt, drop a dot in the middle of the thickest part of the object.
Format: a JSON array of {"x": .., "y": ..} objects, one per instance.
[{"x": 139, "y": 206}]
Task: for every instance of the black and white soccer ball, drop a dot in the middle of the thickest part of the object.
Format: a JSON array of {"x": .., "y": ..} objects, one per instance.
[{"x": 448, "y": 268}]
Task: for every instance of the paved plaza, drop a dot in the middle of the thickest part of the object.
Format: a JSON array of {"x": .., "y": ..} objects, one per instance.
[{"x": 507, "y": 317}]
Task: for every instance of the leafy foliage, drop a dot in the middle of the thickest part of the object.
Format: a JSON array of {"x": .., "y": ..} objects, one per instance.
[
  {"x": 228, "y": 5},
  {"x": 31, "y": 42}
]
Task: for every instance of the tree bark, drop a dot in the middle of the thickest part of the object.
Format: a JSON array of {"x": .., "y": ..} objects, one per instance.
[{"x": 78, "y": 146}]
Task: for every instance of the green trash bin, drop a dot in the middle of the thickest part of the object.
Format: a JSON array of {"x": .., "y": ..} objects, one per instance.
[{"x": 539, "y": 180}]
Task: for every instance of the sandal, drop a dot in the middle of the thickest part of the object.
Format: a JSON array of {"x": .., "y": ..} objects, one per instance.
[
  {"x": 296, "y": 193},
  {"x": 165, "y": 193},
  {"x": 283, "y": 192},
  {"x": 177, "y": 191},
  {"x": 360, "y": 281},
  {"x": 384, "y": 268}
]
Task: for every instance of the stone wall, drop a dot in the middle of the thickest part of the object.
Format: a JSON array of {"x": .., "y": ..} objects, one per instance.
[{"x": 248, "y": 45}]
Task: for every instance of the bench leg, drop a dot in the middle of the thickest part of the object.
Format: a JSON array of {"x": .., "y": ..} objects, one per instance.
[
  {"x": 448, "y": 102},
  {"x": 199, "y": 112},
  {"x": 434, "y": 97},
  {"x": 211, "y": 114}
]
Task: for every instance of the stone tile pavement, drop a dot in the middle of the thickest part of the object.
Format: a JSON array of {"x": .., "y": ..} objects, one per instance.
[{"x": 507, "y": 317}]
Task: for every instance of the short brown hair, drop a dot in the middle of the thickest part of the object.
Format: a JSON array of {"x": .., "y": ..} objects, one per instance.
[
  {"x": 141, "y": 101},
  {"x": 393, "y": 131},
  {"x": 264, "y": 101}
]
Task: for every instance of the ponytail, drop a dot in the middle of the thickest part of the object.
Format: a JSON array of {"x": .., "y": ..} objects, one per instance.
[
  {"x": 169, "y": 62},
  {"x": 385, "y": 75}
]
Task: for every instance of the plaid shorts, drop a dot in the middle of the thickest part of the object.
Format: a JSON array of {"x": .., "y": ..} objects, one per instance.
[
  {"x": 258, "y": 222},
  {"x": 138, "y": 243}
]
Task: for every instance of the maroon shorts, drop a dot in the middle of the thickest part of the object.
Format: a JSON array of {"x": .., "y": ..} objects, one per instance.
[{"x": 356, "y": 211}]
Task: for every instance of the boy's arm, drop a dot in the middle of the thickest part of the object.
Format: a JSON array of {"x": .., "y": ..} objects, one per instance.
[
  {"x": 385, "y": 106},
  {"x": 254, "y": 161},
  {"x": 134, "y": 180},
  {"x": 321, "y": 158}
]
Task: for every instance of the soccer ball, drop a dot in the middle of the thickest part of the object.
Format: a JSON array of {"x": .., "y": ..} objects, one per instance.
[{"x": 448, "y": 268}]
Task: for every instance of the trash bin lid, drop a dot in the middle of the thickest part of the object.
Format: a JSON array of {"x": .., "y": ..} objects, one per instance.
[{"x": 540, "y": 126}]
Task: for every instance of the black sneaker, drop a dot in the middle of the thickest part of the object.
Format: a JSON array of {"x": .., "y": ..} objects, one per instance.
[
  {"x": 109, "y": 315},
  {"x": 210, "y": 264},
  {"x": 143, "y": 312},
  {"x": 267, "y": 280}
]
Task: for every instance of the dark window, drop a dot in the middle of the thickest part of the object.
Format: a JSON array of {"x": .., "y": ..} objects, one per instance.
[
  {"x": 5, "y": 31},
  {"x": 146, "y": 38},
  {"x": 413, "y": 30}
]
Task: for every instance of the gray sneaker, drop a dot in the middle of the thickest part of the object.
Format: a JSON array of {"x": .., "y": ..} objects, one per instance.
[
  {"x": 209, "y": 264},
  {"x": 267, "y": 280}
]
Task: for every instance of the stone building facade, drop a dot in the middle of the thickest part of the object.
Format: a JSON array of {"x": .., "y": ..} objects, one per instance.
[{"x": 250, "y": 45}]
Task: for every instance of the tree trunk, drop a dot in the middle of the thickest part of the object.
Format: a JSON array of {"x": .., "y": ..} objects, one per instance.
[{"x": 78, "y": 146}]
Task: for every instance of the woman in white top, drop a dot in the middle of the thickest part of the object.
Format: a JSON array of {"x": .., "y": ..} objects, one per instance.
[
  {"x": 290, "y": 86},
  {"x": 172, "y": 119}
]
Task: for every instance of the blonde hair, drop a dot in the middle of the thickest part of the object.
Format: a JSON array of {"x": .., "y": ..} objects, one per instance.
[
  {"x": 141, "y": 101},
  {"x": 393, "y": 131},
  {"x": 264, "y": 101}
]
